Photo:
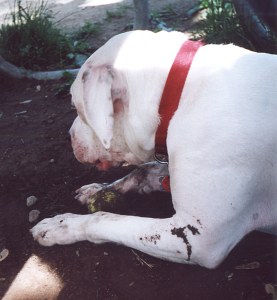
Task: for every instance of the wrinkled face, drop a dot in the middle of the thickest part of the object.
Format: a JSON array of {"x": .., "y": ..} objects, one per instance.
[
  {"x": 88, "y": 148},
  {"x": 97, "y": 134}
]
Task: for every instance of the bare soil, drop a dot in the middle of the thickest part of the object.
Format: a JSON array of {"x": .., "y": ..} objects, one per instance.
[{"x": 36, "y": 159}]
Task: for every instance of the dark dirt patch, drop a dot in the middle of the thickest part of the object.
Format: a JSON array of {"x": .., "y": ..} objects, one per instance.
[
  {"x": 36, "y": 159},
  {"x": 193, "y": 230},
  {"x": 179, "y": 232}
]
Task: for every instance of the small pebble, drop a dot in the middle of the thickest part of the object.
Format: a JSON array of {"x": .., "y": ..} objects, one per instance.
[
  {"x": 132, "y": 283},
  {"x": 4, "y": 254},
  {"x": 33, "y": 215},
  {"x": 26, "y": 101},
  {"x": 229, "y": 275},
  {"x": 30, "y": 201},
  {"x": 50, "y": 121},
  {"x": 20, "y": 113},
  {"x": 52, "y": 160}
]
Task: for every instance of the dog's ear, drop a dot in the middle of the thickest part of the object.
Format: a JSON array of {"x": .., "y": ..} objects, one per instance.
[{"x": 98, "y": 103}]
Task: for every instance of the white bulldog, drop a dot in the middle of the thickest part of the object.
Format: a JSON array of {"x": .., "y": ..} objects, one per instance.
[{"x": 222, "y": 147}]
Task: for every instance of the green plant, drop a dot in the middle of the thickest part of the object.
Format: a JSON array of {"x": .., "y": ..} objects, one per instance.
[
  {"x": 32, "y": 40},
  {"x": 86, "y": 31},
  {"x": 80, "y": 38},
  {"x": 220, "y": 24},
  {"x": 118, "y": 13},
  {"x": 62, "y": 88}
]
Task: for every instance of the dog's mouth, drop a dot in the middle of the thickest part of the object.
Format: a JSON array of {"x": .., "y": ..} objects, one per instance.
[{"x": 104, "y": 165}]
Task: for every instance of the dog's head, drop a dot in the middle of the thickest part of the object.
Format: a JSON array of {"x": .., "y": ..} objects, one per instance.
[
  {"x": 105, "y": 132},
  {"x": 97, "y": 133},
  {"x": 117, "y": 94}
]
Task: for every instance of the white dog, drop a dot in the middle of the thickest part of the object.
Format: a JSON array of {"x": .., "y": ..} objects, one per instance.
[{"x": 221, "y": 143}]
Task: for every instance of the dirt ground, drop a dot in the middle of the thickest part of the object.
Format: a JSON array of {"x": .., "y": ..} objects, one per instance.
[{"x": 36, "y": 159}]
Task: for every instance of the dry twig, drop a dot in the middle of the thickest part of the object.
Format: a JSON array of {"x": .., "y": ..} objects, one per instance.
[{"x": 142, "y": 261}]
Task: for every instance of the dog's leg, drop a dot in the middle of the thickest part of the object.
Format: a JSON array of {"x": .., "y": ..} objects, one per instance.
[
  {"x": 145, "y": 179},
  {"x": 169, "y": 239}
]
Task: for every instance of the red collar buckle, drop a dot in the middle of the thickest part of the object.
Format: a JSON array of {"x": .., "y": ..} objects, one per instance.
[{"x": 166, "y": 184}]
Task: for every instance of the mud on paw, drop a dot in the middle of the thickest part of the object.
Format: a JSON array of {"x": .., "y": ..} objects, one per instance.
[{"x": 107, "y": 199}]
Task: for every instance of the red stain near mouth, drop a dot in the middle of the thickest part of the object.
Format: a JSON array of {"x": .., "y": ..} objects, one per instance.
[{"x": 104, "y": 165}]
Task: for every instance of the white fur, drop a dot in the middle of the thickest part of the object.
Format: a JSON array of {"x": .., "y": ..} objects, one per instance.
[{"x": 222, "y": 145}]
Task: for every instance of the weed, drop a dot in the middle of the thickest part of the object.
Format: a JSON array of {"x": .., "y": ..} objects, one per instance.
[
  {"x": 81, "y": 37},
  {"x": 113, "y": 14},
  {"x": 86, "y": 31},
  {"x": 32, "y": 40},
  {"x": 62, "y": 88},
  {"x": 118, "y": 13},
  {"x": 220, "y": 25}
]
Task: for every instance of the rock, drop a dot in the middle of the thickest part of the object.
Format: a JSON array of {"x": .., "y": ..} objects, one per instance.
[
  {"x": 4, "y": 254},
  {"x": 229, "y": 275},
  {"x": 71, "y": 55},
  {"x": 271, "y": 289},
  {"x": 30, "y": 201},
  {"x": 80, "y": 59},
  {"x": 33, "y": 215}
]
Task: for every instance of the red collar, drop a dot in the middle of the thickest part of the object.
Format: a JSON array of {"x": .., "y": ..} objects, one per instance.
[{"x": 173, "y": 89}]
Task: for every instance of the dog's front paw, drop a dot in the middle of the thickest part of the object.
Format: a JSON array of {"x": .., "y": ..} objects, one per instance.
[
  {"x": 85, "y": 193},
  {"x": 61, "y": 229}
]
